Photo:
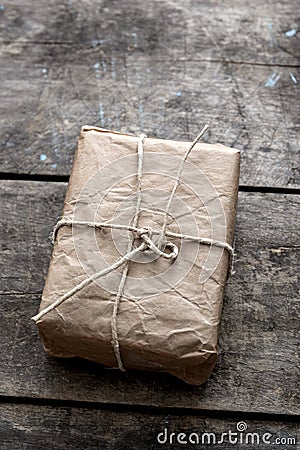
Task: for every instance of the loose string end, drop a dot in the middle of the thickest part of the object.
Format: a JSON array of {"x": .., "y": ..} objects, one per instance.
[
  {"x": 199, "y": 136},
  {"x": 202, "y": 132}
]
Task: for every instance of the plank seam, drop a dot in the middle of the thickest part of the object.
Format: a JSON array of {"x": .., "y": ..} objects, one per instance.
[
  {"x": 6, "y": 176},
  {"x": 158, "y": 410}
]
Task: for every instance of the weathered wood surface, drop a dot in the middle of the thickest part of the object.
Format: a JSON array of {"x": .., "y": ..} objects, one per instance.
[
  {"x": 258, "y": 366},
  {"x": 227, "y": 30},
  {"x": 29, "y": 426},
  {"x": 161, "y": 67}
]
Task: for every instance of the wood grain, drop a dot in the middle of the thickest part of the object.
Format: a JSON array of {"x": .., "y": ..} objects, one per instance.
[
  {"x": 26, "y": 426},
  {"x": 258, "y": 367},
  {"x": 228, "y": 31},
  {"x": 164, "y": 68}
]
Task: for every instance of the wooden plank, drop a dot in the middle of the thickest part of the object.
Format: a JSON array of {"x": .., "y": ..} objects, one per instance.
[
  {"x": 227, "y": 30},
  {"x": 67, "y": 87},
  {"x": 257, "y": 369},
  {"x": 157, "y": 67},
  {"x": 26, "y": 426}
]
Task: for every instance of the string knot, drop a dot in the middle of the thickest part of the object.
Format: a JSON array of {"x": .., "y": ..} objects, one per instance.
[
  {"x": 146, "y": 235},
  {"x": 145, "y": 231}
]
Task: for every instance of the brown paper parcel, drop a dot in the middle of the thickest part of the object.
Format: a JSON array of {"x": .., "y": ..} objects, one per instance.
[{"x": 169, "y": 314}]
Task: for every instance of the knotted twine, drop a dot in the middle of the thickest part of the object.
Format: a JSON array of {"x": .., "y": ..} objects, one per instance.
[{"x": 145, "y": 234}]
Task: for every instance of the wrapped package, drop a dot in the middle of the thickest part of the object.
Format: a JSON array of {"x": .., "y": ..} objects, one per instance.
[{"x": 152, "y": 312}]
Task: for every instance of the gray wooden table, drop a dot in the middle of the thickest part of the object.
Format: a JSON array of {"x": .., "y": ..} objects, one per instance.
[{"x": 164, "y": 68}]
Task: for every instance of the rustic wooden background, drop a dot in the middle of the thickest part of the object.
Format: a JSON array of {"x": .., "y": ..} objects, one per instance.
[{"x": 163, "y": 67}]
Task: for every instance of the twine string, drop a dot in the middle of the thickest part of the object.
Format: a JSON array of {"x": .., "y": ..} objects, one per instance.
[
  {"x": 145, "y": 234},
  {"x": 176, "y": 184},
  {"x": 114, "y": 332}
]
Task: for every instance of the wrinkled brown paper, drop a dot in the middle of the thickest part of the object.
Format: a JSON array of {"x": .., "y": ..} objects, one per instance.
[{"x": 175, "y": 331}]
